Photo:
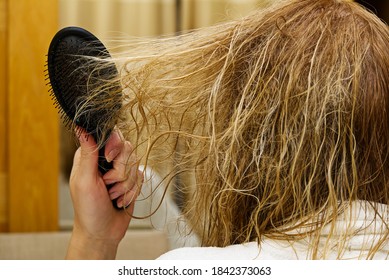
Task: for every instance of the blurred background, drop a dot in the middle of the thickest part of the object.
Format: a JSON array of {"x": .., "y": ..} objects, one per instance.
[{"x": 35, "y": 150}]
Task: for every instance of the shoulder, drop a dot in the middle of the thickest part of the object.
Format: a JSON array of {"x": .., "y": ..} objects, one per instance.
[
  {"x": 233, "y": 252},
  {"x": 267, "y": 250}
]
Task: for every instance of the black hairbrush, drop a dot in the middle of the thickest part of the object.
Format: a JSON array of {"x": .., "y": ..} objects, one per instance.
[{"x": 80, "y": 75}]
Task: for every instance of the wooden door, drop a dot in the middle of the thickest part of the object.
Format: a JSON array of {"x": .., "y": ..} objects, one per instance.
[
  {"x": 3, "y": 107},
  {"x": 28, "y": 122}
]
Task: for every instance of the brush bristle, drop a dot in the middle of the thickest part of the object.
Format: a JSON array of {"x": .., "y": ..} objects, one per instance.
[{"x": 78, "y": 73}]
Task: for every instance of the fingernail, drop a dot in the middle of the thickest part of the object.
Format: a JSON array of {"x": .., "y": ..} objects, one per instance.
[
  {"x": 114, "y": 195},
  {"x": 109, "y": 182},
  {"x": 120, "y": 203},
  {"x": 126, "y": 200},
  {"x": 112, "y": 154}
]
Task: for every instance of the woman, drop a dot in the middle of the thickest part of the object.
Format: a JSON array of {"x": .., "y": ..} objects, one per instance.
[{"x": 280, "y": 122}]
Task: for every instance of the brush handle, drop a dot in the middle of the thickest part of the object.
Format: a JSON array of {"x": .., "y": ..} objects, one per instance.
[{"x": 104, "y": 167}]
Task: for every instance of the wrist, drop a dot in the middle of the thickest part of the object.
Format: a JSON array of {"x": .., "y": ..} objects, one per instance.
[{"x": 86, "y": 247}]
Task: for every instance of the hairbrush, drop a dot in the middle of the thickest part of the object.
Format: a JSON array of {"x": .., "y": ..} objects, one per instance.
[{"x": 80, "y": 75}]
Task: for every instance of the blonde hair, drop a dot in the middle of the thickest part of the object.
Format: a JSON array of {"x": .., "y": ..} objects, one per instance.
[{"x": 281, "y": 117}]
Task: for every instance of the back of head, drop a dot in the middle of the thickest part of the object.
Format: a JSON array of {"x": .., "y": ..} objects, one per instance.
[{"x": 284, "y": 116}]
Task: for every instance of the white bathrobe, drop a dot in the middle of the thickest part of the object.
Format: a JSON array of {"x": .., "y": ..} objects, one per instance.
[
  {"x": 360, "y": 220},
  {"x": 364, "y": 226}
]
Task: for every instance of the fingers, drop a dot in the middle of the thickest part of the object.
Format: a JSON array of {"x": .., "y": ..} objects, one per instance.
[
  {"x": 128, "y": 190},
  {"x": 122, "y": 165},
  {"x": 114, "y": 145},
  {"x": 125, "y": 178}
]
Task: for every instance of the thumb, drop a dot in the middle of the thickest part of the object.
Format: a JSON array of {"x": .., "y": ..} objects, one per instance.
[{"x": 88, "y": 152}]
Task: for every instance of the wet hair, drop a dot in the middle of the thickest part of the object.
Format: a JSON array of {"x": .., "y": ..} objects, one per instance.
[{"x": 278, "y": 121}]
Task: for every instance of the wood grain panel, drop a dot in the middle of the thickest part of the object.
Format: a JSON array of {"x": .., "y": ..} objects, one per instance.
[
  {"x": 3, "y": 129},
  {"x": 32, "y": 120},
  {"x": 3, "y": 203}
]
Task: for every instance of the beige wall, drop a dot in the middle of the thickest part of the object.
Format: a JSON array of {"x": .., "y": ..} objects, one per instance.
[
  {"x": 113, "y": 18},
  {"x": 201, "y": 13}
]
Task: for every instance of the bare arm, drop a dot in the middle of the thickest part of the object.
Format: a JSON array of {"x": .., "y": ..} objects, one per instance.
[{"x": 98, "y": 226}]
